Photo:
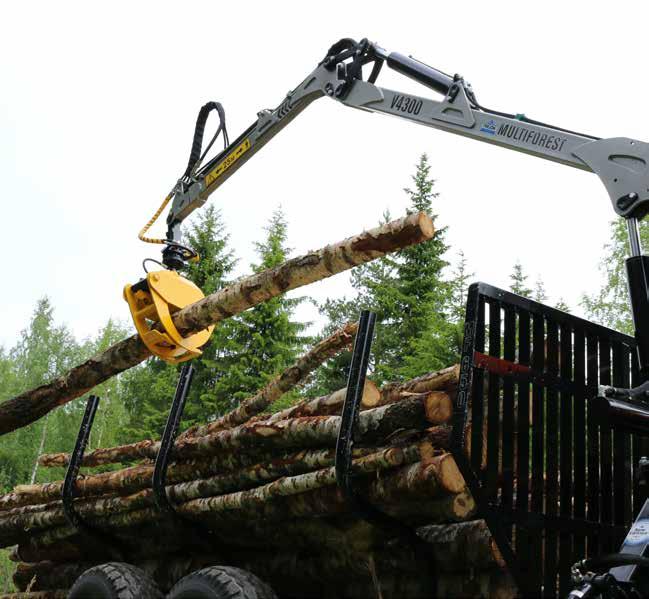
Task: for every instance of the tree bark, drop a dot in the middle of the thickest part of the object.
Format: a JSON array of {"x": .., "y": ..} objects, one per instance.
[
  {"x": 58, "y": 594},
  {"x": 308, "y": 495},
  {"x": 316, "y": 431},
  {"x": 320, "y": 353},
  {"x": 210, "y": 490},
  {"x": 463, "y": 545},
  {"x": 250, "y": 291},
  {"x": 446, "y": 379},
  {"x": 326, "y": 405},
  {"x": 32, "y": 498}
]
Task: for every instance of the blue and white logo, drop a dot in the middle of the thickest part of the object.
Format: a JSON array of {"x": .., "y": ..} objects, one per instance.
[{"x": 489, "y": 127}]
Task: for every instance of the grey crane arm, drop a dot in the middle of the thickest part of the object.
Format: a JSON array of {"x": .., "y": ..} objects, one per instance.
[{"x": 621, "y": 163}]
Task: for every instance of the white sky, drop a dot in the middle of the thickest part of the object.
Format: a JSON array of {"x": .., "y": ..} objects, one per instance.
[{"x": 98, "y": 103}]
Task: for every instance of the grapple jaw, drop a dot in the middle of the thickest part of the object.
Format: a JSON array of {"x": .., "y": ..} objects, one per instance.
[{"x": 153, "y": 302}]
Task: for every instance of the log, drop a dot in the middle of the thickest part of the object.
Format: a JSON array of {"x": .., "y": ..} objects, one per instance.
[
  {"x": 317, "y": 355},
  {"x": 58, "y": 594},
  {"x": 34, "y": 498},
  {"x": 316, "y": 431},
  {"x": 309, "y": 495},
  {"x": 233, "y": 527},
  {"x": 205, "y": 490},
  {"x": 463, "y": 545},
  {"x": 326, "y": 405},
  {"x": 161, "y": 540},
  {"x": 446, "y": 379},
  {"x": 248, "y": 292},
  {"x": 488, "y": 584}
]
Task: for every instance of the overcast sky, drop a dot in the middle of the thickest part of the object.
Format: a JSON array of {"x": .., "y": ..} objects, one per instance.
[{"x": 99, "y": 100}]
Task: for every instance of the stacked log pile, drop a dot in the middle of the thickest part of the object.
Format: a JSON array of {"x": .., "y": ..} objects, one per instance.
[{"x": 257, "y": 489}]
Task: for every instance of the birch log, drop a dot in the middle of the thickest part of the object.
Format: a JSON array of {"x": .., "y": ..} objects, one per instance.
[
  {"x": 446, "y": 379},
  {"x": 248, "y": 292},
  {"x": 320, "y": 353},
  {"x": 315, "y": 431},
  {"x": 214, "y": 489},
  {"x": 35, "y": 498}
]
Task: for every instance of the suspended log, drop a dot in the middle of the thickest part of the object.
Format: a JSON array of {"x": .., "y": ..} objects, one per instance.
[
  {"x": 316, "y": 431},
  {"x": 250, "y": 291},
  {"x": 320, "y": 353},
  {"x": 446, "y": 379}
]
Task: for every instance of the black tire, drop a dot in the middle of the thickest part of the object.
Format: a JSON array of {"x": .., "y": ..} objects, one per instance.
[
  {"x": 221, "y": 582},
  {"x": 114, "y": 580}
]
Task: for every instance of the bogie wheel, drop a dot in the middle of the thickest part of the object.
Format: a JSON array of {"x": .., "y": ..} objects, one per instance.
[
  {"x": 114, "y": 580},
  {"x": 221, "y": 582}
]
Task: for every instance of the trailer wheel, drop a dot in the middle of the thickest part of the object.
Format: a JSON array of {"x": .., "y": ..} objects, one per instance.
[
  {"x": 221, "y": 582},
  {"x": 114, "y": 580}
]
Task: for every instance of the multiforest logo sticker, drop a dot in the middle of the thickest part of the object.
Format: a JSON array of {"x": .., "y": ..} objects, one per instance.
[
  {"x": 489, "y": 127},
  {"x": 531, "y": 137}
]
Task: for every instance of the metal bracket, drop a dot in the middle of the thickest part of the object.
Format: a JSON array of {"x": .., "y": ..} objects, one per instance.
[
  {"x": 622, "y": 164},
  {"x": 455, "y": 108},
  {"x": 168, "y": 437},
  {"x": 69, "y": 484}
]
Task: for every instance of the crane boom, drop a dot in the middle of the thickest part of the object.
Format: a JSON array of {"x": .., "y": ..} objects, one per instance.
[{"x": 621, "y": 163}]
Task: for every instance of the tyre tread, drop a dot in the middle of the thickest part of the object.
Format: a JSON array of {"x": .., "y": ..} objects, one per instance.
[
  {"x": 127, "y": 581},
  {"x": 229, "y": 582}
]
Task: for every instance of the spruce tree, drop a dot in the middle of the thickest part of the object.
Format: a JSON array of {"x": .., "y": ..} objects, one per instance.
[
  {"x": 519, "y": 281},
  {"x": 610, "y": 304},
  {"x": 269, "y": 336},
  {"x": 540, "y": 294},
  {"x": 459, "y": 283},
  {"x": 411, "y": 298}
]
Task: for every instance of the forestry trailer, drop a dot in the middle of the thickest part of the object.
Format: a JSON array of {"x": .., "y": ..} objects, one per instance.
[{"x": 559, "y": 476}]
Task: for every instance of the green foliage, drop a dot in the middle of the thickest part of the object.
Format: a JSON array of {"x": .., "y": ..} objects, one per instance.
[
  {"x": 43, "y": 351},
  {"x": 417, "y": 307},
  {"x": 269, "y": 336},
  {"x": 519, "y": 282},
  {"x": 243, "y": 353},
  {"x": 6, "y": 571},
  {"x": 610, "y": 305},
  {"x": 540, "y": 294}
]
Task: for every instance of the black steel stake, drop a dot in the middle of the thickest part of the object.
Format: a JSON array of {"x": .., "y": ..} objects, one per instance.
[
  {"x": 349, "y": 420},
  {"x": 168, "y": 438},
  {"x": 69, "y": 484},
  {"x": 345, "y": 444},
  {"x": 75, "y": 463}
]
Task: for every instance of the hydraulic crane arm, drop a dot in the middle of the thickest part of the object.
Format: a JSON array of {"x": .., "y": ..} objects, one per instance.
[{"x": 620, "y": 163}]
